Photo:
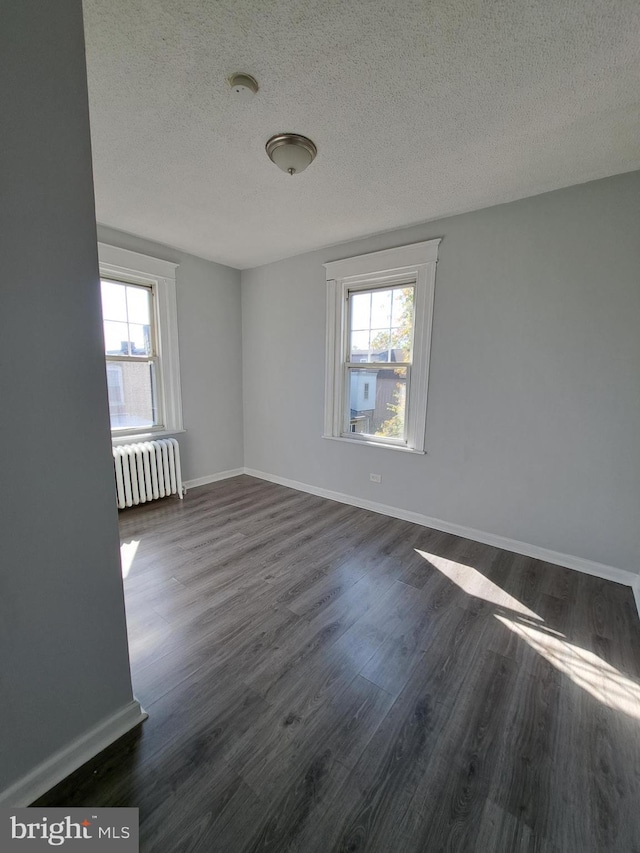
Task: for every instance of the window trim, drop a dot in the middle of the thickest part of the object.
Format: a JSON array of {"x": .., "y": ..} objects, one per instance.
[
  {"x": 415, "y": 262},
  {"x": 135, "y": 268}
]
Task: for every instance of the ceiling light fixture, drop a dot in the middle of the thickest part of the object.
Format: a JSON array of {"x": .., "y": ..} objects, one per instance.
[{"x": 291, "y": 152}]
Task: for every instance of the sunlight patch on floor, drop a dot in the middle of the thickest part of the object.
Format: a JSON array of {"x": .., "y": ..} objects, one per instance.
[
  {"x": 127, "y": 555},
  {"x": 474, "y": 583},
  {"x": 603, "y": 681}
]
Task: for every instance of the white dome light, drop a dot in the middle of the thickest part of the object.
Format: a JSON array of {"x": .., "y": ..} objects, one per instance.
[{"x": 291, "y": 152}]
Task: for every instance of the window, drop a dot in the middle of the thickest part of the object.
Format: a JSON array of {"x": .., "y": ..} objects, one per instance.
[
  {"x": 141, "y": 344},
  {"x": 132, "y": 362},
  {"x": 379, "y": 315}
]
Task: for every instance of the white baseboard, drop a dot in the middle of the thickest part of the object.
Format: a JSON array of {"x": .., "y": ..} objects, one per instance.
[
  {"x": 213, "y": 478},
  {"x": 589, "y": 567},
  {"x": 56, "y": 768}
]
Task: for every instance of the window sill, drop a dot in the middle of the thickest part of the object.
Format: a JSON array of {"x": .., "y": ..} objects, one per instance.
[
  {"x": 118, "y": 440},
  {"x": 380, "y": 444}
]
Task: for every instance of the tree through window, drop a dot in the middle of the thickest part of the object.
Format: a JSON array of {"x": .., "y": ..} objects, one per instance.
[{"x": 380, "y": 337}]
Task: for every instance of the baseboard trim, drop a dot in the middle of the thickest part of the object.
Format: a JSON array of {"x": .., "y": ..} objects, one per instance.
[
  {"x": 569, "y": 561},
  {"x": 56, "y": 768},
  {"x": 213, "y": 478}
]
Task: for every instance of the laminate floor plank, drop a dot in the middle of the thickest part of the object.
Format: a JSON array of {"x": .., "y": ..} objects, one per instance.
[
  {"x": 368, "y": 812},
  {"x": 500, "y": 830},
  {"x": 323, "y": 679},
  {"x": 343, "y": 728},
  {"x": 304, "y": 798},
  {"x": 363, "y": 557},
  {"x": 227, "y": 645},
  {"x": 449, "y": 800},
  {"x": 228, "y": 831},
  {"x": 524, "y": 780},
  {"x": 303, "y": 555},
  {"x": 319, "y": 672},
  {"x": 391, "y": 666}
]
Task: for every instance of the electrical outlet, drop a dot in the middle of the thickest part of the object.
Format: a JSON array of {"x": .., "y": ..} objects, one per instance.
[{"x": 375, "y": 478}]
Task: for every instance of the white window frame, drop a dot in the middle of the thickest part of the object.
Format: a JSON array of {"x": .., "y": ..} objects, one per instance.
[
  {"x": 134, "y": 268},
  {"x": 415, "y": 264}
]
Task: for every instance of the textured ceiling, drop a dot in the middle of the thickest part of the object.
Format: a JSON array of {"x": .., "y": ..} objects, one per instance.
[{"x": 418, "y": 109}]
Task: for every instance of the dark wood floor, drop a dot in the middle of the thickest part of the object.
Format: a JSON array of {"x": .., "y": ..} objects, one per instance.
[{"x": 321, "y": 678}]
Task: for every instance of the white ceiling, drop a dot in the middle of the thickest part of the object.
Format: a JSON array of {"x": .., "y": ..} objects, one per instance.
[{"x": 418, "y": 109}]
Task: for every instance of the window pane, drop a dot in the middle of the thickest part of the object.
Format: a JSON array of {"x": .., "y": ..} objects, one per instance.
[
  {"x": 116, "y": 338},
  {"x": 114, "y": 304},
  {"x": 377, "y": 401},
  {"x": 402, "y": 323},
  {"x": 359, "y": 346},
  {"x": 139, "y": 337},
  {"x": 138, "y": 305},
  {"x": 380, "y": 345},
  {"x": 381, "y": 308},
  {"x": 399, "y": 302},
  {"x": 131, "y": 394},
  {"x": 361, "y": 310},
  {"x": 126, "y": 312},
  {"x": 381, "y": 325}
]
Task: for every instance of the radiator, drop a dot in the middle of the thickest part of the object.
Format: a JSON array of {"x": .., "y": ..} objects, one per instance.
[{"x": 147, "y": 471}]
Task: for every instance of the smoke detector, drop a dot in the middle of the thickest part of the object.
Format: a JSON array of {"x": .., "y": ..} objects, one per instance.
[{"x": 243, "y": 85}]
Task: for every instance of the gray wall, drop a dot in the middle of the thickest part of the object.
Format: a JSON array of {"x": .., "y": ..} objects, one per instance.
[
  {"x": 210, "y": 340},
  {"x": 63, "y": 651},
  {"x": 534, "y": 401}
]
